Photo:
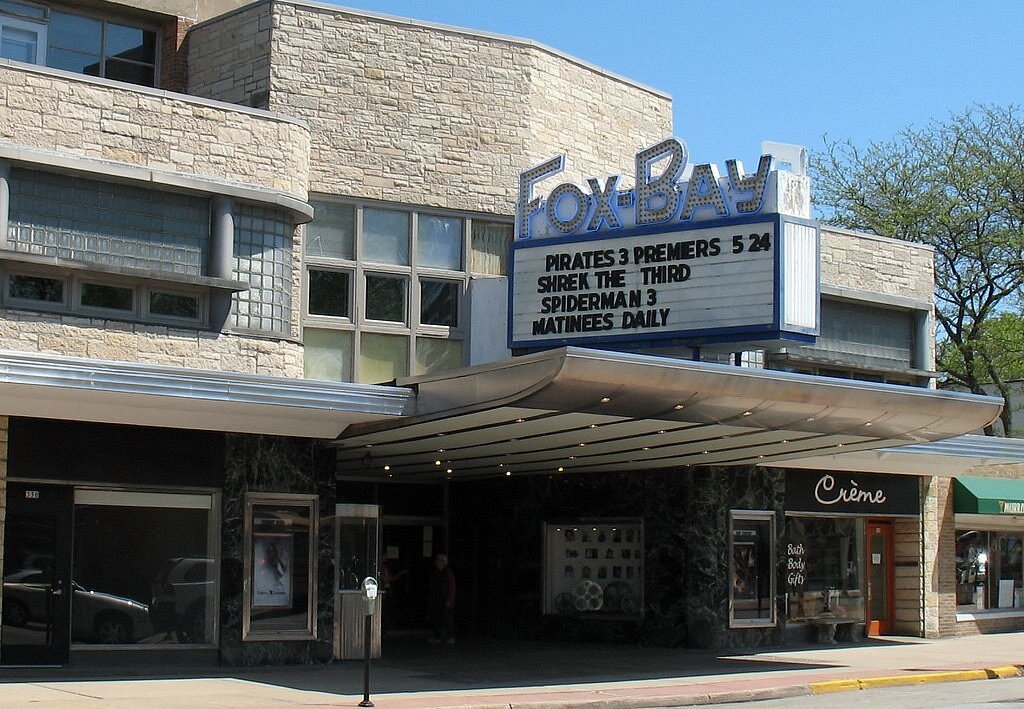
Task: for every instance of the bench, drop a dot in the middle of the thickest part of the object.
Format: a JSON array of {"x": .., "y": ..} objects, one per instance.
[{"x": 828, "y": 628}]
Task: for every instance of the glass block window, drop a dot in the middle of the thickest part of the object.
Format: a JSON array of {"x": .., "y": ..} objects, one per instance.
[
  {"x": 68, "y": 217},
  {"x": 263, "y": 258}
]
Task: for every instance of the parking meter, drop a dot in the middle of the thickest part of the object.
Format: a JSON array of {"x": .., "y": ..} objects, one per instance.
[{"x": 370, "y": 594}]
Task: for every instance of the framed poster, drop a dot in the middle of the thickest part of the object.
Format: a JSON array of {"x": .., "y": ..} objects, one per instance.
[{"x": 272, "y": 572}]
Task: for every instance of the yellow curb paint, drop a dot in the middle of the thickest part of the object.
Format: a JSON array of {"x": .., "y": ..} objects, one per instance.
[
  {"x": 835, "y": 685},
  {"x": 901, "y": 680},
  {"x": 1003, "y": 672},
  {"x": 846, "y": 685}
]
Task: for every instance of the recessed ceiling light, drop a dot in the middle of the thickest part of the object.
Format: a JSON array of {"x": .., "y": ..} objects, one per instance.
[
  {"x": 449, "y": 471},
  {"x": 508, "y": 473},
  {"x": 593, "y": 425},
  {"x": 437, "y": 462},
  {"x": 605, "y": 399},
  {"x": 561, "y": 469},
  {"x": 868, "y": 423},
  {"x": 582, "y": 445},
  {"x": 646, "y": 448},
  {"x": 747, "y": 413},
  {"x": 679, "y": 407},
  {"x": 387, "y": 468},
  {"x": 662, "y": 431},
  {"x": 520, "y": 420}
]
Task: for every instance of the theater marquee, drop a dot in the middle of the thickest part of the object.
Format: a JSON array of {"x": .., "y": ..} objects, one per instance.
[{"x": 588, "y": 274}]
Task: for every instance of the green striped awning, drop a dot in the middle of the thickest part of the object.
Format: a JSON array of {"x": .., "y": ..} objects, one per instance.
[{"x": 988, "y": 496}]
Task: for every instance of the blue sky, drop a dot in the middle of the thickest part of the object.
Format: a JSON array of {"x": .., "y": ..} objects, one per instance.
[{"x": 742, "y": 72}]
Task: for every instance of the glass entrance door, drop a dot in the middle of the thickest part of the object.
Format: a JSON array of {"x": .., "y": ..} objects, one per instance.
[
  {"x": 36, "y": 575},
  {"x": 880, "y": 577}
]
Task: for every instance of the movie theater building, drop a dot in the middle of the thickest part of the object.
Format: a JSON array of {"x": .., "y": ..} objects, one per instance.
[{"x": 259, "y": 313}]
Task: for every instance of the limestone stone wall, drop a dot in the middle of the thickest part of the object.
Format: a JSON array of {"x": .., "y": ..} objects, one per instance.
[
  {"x": 97, "y": 338},
  {"x": 873, "y": 263},
  {"x": 427, "y": 115},
  {"x": 229, "y": 59},
  {"x": 94, "y": 118},
  {"x": 907, "y": 585}
]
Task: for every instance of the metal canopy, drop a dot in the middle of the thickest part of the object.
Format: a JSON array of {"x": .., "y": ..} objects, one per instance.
[
  {"x": 579, "y": 410},
  {"x": 56, "y": 387},
  {"x": 573, "y": 410}
]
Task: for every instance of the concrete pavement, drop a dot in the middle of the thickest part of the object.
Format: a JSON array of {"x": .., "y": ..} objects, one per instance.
[{"x": 493, "y": 674}]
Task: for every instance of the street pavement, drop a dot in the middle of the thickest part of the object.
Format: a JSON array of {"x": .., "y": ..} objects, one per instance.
[{"x": 510, "y": 674}]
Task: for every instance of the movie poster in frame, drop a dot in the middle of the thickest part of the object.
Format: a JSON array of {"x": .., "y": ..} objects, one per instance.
[{"x": 272, "y": 570}]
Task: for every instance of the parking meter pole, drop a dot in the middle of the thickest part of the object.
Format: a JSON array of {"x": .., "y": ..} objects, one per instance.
[
  {"x": 366, "y": 663},
  {"x": 370, "y": 597}
]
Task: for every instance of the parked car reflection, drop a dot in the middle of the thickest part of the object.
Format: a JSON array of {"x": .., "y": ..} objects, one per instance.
[
  {"x": 96, "y": 617},
  {"x": 180, "y": 594}
]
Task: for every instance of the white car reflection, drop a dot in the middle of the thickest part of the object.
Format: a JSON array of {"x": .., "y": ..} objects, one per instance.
[{"x": 96, "y": 616}]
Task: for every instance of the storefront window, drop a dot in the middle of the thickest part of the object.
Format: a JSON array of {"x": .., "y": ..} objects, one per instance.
[
  {"x": 136, "y": 583},
  {"x": 752, "y": 582},
  {"x": 594, "y": 569},
  {"x": 824, "y": 567},
  {"x": 988, "y": 570},
  {"x": 280, "y": 560}
]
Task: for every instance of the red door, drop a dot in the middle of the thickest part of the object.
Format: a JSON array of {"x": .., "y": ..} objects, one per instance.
[{"x": 880, "y": 605}]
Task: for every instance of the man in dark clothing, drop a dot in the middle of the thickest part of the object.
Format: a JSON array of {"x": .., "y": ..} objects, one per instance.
[{"x": 442, "y": 601}]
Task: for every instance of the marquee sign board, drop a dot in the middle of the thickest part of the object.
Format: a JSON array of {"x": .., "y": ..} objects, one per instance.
[{"x": 662, "y": 263}]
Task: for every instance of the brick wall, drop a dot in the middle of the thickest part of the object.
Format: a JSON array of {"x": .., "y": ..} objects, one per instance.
[
  {"x": 3, "y": 493},
  {"x": 174, "y": 55}
]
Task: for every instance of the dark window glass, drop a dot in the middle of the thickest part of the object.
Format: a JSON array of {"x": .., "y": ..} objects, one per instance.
[
  {"x": 328, "y": 293},
  {"x": 174, "y": 305},
  {"x": 136, "y": 587},
  {"x": 49, "y": 290},
  {"x": 130, "y": 43},
  {"x": 132, "y": 73},
  {"x": 83, "y": 34},
  {"x": 439, "y": 303},
  {"x": 96, "y": 295},
  {"x": 385, "y": 299}
]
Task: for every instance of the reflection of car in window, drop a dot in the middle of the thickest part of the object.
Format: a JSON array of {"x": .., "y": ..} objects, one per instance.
[
  {"x": 179, "y": 598},
  {"x": 95, "y": 616}
]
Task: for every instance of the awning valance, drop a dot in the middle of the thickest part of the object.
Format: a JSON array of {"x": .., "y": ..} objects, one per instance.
[{"x": 993, "y": 496}]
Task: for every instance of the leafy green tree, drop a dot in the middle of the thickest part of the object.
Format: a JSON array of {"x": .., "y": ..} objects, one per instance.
[{"x": 958, "y": 186}]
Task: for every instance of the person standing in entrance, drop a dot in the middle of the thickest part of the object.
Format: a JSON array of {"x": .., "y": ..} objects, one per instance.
[{"x": 442, "y": 601}]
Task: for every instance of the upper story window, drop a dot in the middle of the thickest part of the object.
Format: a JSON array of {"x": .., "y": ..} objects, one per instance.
[
  {"x": 385, "y": 289},
  {"x": 84, "y": 44}
]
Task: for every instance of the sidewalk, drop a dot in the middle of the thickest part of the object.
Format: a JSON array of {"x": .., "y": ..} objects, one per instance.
[{"x": 492, "y": 674}]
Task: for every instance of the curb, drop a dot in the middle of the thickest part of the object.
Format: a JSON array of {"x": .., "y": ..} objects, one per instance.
[{"x": 846, "y": 685}]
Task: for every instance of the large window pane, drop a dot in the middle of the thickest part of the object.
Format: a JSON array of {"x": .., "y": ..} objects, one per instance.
[
  {"x": 382, "y": 357},
  {"x": 439, "y": 242},
  {"x": 751, "y": 577},
  {"x": 82, "y": 34},
  {"x": 385, "y": 298},
  {"x": 328, "y": 354},
  {"x": 385, "y": 236},
  {"x": 70, "y": 60},
  {"x": 141, "y": 74},
  {"x": 329, "y": 293},
  {"x": 439, "y": 303},
  {"x": 130, "y": 43},
  {"x": 824, "y": 562},
  {"x": 331, "y": 231},
  {"x": 175, "y": 305},
  {"x": 133, "y": 585},
  {"x": 436, "y": 355}
]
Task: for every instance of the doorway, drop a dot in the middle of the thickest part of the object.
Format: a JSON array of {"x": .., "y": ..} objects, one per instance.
[
  {"x": 881, "y": 570},
  {"x": 36, "y": 575},
  {"x": 408, "y": 549}
]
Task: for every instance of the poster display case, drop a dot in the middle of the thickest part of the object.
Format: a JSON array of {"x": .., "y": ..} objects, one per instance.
[
  {"x": 594, "y": 568},
  {"x": 279, "y": 600}
]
